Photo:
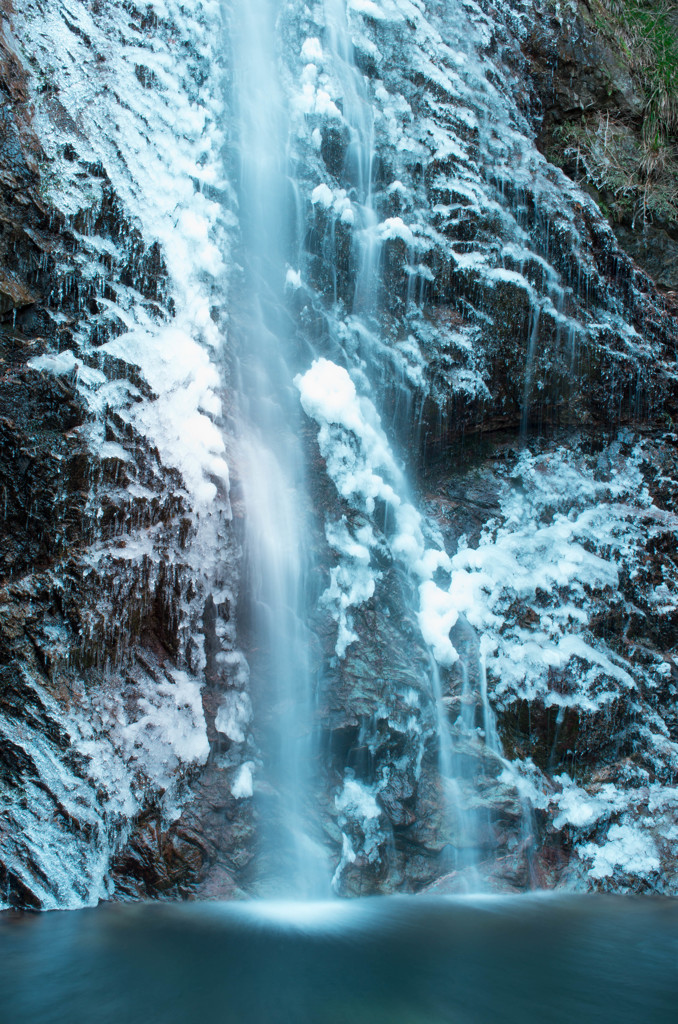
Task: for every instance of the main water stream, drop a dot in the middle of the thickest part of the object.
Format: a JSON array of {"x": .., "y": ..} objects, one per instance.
[{"x": 271, "y": 463}]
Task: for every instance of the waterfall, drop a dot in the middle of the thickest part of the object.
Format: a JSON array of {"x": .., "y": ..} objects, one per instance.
[
  {"x": 280, "y": 249},
  {"x": 270, "y": 462},
  {"x": 352, "y": 569}
]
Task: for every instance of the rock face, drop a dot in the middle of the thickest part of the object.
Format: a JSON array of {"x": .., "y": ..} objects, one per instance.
[
  {"x": 580, "y": 635},
  {"x": 604, "y": 76},
  {"x": 103, "y": 590},
  {"x": 501, "y": 611},
  {"x": 504, "y": 304}
]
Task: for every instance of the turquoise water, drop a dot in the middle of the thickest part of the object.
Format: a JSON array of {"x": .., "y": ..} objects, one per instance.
[{"x": 546, "y": 959}]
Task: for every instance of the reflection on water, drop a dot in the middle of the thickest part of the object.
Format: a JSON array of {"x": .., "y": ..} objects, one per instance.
[{"x": 492, "y": 960}]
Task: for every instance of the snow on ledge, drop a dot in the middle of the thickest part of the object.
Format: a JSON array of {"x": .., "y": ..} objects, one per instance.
[{"x": 161, "y": 150}]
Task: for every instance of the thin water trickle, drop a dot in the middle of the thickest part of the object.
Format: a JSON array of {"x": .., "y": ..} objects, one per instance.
[
  {"x": 529, "y": 370},
  {"x": 360, "y": 157},
  {"x": 359, "y": 168}
]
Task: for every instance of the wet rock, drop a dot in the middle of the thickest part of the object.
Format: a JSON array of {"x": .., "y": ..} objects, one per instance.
[
  {"x": 595, "y": 749},
  {"x": 97, "y": 611}
]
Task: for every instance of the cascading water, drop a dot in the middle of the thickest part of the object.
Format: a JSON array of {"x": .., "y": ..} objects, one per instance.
[
  {"x": 360, "y": 155},
  {"x": 407, "y": 271},
  {"x": 270, "y": 462},
  {"x": 276, "y": 226}
]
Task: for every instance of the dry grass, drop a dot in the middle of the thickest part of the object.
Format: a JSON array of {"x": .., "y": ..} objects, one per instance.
[
  {"x": 635, "y": 166},
  {"x": 635, "y": 181},
  {"x": 647, "y": 31}
]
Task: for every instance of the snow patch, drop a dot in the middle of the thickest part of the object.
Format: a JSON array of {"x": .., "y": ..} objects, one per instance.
[
  {"x": 627, "y": 849},
  {"x": 234, "y": 716},
  {"x": 243, "y": 784},
  {"x": 311, "y": 50}
]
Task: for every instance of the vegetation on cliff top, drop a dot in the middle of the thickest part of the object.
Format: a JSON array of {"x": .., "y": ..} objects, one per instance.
[{"x": 631, "y": 158}]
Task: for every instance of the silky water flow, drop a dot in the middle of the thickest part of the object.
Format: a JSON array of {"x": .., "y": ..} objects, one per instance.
[
  {"x": 271, "y": 465},
  {"x": 272, "y": 348}
]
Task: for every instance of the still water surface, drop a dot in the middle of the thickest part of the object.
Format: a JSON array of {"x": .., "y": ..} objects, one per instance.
[{"x": 494, "y": 960}]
